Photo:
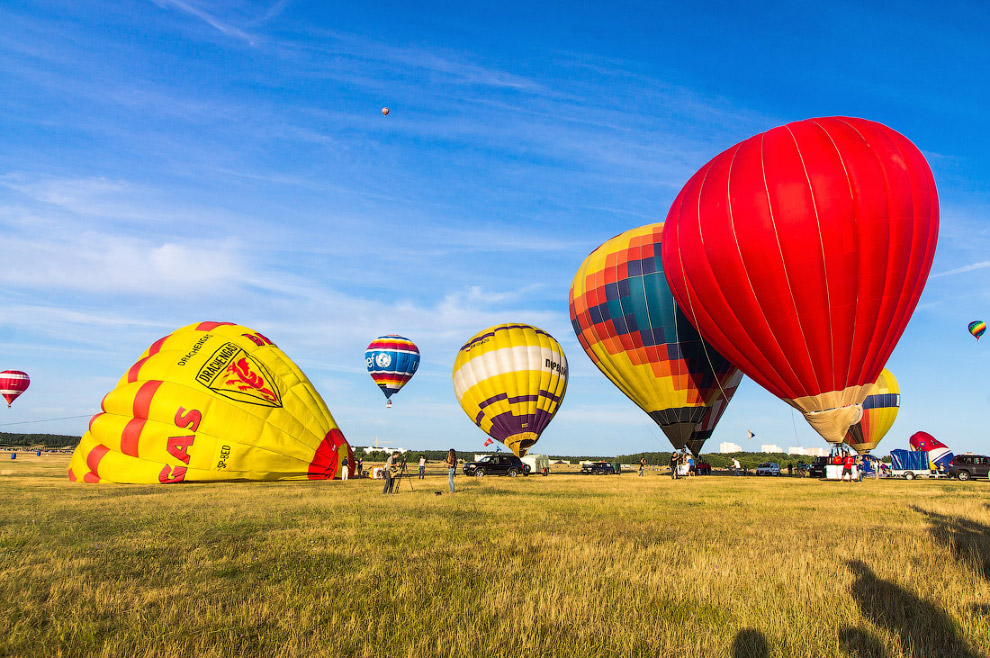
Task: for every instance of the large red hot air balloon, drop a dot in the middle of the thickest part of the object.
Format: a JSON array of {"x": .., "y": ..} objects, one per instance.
[
  {"x": 12, "y": 384},
  {"x": 800, "y": 254}
]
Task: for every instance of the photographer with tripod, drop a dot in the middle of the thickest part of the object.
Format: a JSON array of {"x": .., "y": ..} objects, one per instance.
[{"x": 389, "y": 470}]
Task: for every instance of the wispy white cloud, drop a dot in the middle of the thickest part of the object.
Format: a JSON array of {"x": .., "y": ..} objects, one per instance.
[
  {"x": 972, "y": 267},
  {"x": 206, "y": 17}
]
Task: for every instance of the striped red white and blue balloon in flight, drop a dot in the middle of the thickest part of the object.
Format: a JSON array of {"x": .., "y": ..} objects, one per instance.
[
  {"x": 392, "y": 361},
  {"x": 977, "y": 328}
]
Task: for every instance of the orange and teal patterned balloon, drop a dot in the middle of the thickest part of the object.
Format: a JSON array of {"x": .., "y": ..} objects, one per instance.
[
  {"x": 510, "y": 380},
  {"x": 977, "y": 328},
  {"x": 630, "y": 326},
  {"x": 211, "y": 401},
  {"x": 879, "y": 413}
]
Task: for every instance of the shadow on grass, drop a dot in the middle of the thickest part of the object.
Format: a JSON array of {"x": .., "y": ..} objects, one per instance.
[
  {"x": 750, "y": 643},
  {"x": 859, "y": 643},
  {"x": 969, "y": 541},
  {"x": 923, "y": 629}
]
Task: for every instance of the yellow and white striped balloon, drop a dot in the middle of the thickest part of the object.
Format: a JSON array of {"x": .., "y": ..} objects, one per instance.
[{"x": 510, "y": 380}]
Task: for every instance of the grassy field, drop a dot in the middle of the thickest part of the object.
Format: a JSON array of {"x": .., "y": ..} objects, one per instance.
[{"x": 558, "y": 566}]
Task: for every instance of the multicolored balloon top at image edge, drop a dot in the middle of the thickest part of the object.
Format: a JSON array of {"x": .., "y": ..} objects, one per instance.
[
  {"x": 939, "y": 454},
  {"x": 392, "y": 361},
  {"x": 12, "y": 384},
  {"x": 879, "y": 413},
  {"x": 510, "y": 380},
  {"x": 630, "y": 326},
  {"x": 977, "y": 328},
  {"x": 801, "y": 253},
  {"x": 211, "y": 401}
]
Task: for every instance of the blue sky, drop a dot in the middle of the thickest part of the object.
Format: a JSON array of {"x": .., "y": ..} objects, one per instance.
[{"x": 168, "y": 162}]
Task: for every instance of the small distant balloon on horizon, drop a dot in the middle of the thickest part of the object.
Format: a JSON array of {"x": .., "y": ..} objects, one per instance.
[{"x": 385, "y": 111}]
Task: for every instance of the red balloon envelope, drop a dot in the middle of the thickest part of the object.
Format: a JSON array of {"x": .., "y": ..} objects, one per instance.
[
  {"x": 800, "y": 254},
  {"x": 12, "y": 384}
]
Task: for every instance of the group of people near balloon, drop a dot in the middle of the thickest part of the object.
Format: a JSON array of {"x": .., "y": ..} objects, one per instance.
[{"x": 795, "y": 257}]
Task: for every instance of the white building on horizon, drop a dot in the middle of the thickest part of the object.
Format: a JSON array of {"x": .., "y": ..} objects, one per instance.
[
  {"x": 726, "y": 447},
  {"x": 770, "y": 447},
  {"x": 809, "y": 452}
]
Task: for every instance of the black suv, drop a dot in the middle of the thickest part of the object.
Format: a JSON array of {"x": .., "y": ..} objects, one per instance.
[
  {"x": 965, "y": 467},
  {"x": 496, "y": 465},
  {"x": 597, "y": 468},
  {"x": 817, "y": 467}
]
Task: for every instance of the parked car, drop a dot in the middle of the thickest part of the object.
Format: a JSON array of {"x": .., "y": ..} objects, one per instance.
[
  {"x": 966, "y": 467},
  {"x": 817, "y": 468},
  {"x": 768, "y": 468},
  {"x": 597, "y": 468},
  {"x": 497, "y": 465}
]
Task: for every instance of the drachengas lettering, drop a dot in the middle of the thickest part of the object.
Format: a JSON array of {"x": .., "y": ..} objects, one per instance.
[
  {"x": 258, "y": 339},
  {"x": 178, "y": 446}
]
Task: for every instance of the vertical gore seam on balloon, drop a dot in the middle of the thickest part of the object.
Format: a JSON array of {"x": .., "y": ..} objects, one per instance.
[
  {"x": 856, "y": 315},
  {"x": 783, "y": 262},
  {"x": 821, "y": 241},
  {"x": 879, "y": 346}
]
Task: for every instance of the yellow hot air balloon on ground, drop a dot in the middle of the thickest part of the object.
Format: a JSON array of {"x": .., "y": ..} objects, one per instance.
[
  {"x": 879, "y": 413},
  {"x": 510, "y": 380},
  {"x": 211, "y": 401}
]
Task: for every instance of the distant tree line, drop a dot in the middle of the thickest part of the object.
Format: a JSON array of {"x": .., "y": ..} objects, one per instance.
[
  {"x": 746, "y": 459},
  {"x": 60, "y": 441}
]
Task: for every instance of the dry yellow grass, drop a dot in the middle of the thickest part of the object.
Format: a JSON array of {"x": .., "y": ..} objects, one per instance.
[{"x": 566, "y": 565}]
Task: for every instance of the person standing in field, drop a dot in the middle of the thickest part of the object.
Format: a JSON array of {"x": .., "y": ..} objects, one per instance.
[
  {"x": 343, "y": 469},
  {"x": 735, "y": 466},
  {"x": 690, "y": 464},
  {"x": 673, "y": 465},
  {"x": 389, "y": 468},
  {"x": 642, "y": 466},
  {"x": 451, "y": 467},
  {"x": 847, "y": 466},
  {"x": 422, "y": 466},
  {"x": 790, "y": 469},
  {"x": 359, "y": 467}
]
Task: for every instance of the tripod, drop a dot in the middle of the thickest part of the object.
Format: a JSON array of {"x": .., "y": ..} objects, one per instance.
[{"x": 401, "y": 475}]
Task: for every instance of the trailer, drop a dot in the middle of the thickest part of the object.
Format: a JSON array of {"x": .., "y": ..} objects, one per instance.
[
  {"x": 538, "y": 464},
  {"x": 911, "y": 464}
]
